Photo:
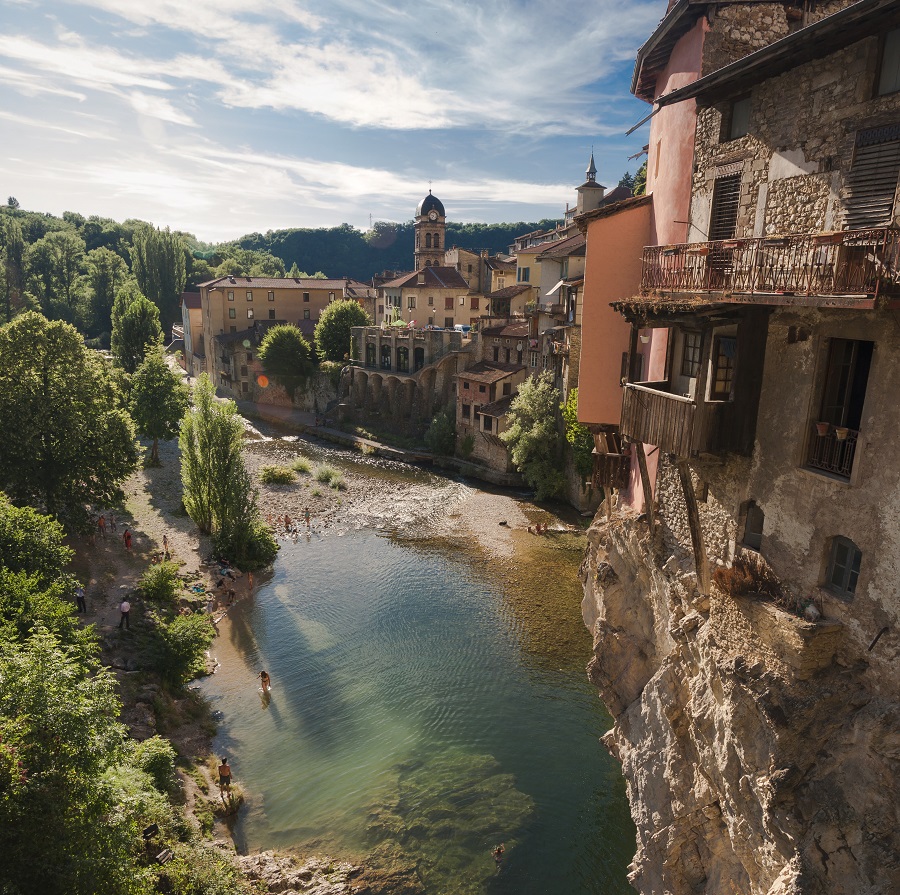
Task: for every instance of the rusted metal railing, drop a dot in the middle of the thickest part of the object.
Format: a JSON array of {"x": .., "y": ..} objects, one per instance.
[
  {"x": 832, "y": 449},
  {"x": 850, "y": 262}
]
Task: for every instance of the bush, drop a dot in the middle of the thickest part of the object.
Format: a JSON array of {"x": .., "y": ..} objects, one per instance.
[
  {"x": 747, "y": 577},
  {"x": 332, "y": 369},
  {"x": 160, "y": 583},
  {"x": 326, "y": 473},
  {"x": 467, "y": 446},
  {"x": 276, "y": 475},
  {"x": 441, "y": 434},
  {"x": 198, "y": 869},
  {"x": 338, "y": 483},
  {"x": 301, "y": 465},
  {"x": 179, "y": 648},
  {"x": 156, "y": 757}
]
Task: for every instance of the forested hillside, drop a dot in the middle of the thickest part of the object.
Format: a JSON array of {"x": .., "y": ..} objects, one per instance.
[{"x": 71, "y": 267}]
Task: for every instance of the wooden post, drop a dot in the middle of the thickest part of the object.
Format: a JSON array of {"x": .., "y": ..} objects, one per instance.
[
  {"x": 701, "y": 562},
  {"x": 698, "y": 440},
  {"x": 609, "y": 508},
  {"x": 645, "y": 483}
]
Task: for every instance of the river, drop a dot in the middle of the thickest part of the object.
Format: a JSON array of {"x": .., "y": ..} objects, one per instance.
[{"x": 429, "y": 699}]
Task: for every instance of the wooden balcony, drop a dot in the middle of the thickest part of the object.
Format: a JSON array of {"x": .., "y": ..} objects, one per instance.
[
  {"x": 851, "y": 265},
  {"x": 611, "y": 470},
  {"x": 654, "y": 416}
]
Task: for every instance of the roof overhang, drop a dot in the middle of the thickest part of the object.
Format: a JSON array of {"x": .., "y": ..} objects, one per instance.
[
  {"x": 863, "y": 19},
  {"x": 654, "y": 54}
]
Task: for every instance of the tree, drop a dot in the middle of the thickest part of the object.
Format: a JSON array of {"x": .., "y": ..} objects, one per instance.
[
  {"x": 31, "y": 542},
  {"x": 640, "y": 181},
  {"x": 286, "y": 356},
  {"x": 157, "y": 261},
  {"x": 70, "y": 443},
  {"x": 441, "y": 434},
  {"x": 627, "y": 180},
  {"x": 65, "y": 251},
  {"x": 158, "y": 400},
  {"x": 218, "y": 492},
  {"x": 12, "y": 202},
  {"x": 532, "y": 435},
  {"x": 105, "y": 273},
  {"x": 332, "y": 332},
  {"x": 12, "y": 265},
  {"x": 135, "y": 328},
  {"x": 578, "y": 435}
]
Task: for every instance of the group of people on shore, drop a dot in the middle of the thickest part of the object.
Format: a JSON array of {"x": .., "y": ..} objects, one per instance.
[
  {"x": 538, "y": 529},
  {"x": 284, "y": 523}
]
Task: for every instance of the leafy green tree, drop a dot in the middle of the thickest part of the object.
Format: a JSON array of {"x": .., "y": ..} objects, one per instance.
[
  {"x": 218, "y": 492},
  {"x": 441, "y": 435},
  {"x": 578, "y": 435},
  {"x": 640, "y": 181},
  {"x": 135, "y": 328},
  {"x": 158, "y": 400},
  {"x": 197, "y": 270},
  {"x": 12, "y": 265},
  {"x": 286, "y": 356},
  {"x": 157, "y": 261},
  {"x": 627, "y": 180},
  {"x": 532, "y": 435},
  {"x": 31, "y": 542},
  {"x": 59, "y": 255},
  {"x": 105, "y": 272},
  {"x": 62, "y": 828},
  {"x": 178, "y": 647},
  {"x": 12, "y": 202},
  {"x": 73, "y": 444},
  {"x": 333, "y": 329}
]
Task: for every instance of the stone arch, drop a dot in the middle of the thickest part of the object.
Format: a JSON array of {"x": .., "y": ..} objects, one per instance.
[
  {"x": 371, "y": 354},
  {"x": 402, "y": 359},
  {"x": 418, "y": 358},
  {"x": 376, "y": 382}
]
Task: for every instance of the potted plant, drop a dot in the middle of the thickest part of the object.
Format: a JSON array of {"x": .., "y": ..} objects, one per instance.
[
  {"x": 840, "y": 432},
  {"x": 822, "y": 429}
]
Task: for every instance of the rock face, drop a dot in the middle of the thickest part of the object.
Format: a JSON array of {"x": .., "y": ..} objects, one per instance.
[
  {"x": 761, "y": 756},
  {"x": 285, "y": 875}
]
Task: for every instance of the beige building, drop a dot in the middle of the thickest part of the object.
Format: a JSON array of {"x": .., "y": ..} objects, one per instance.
[
  {"x": 192, "y": 326},
  {"x": 432, "y": 296}
]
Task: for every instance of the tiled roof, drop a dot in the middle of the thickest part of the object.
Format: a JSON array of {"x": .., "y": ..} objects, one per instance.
[
  {"x": 570, "y": 246},
  {"x": 511, "y": 291},
  {"x": 613, "y": 208},
  {"x": 500, "y": 264},
  {"x": 490, "y": 371},
  {"x": 435, "y": 278},
  {"x": 508, "y": 330},
  {"x": 497, "y": 408},
  {"x": 279, "y": 283},
  {"x": 191, "y": 300}
]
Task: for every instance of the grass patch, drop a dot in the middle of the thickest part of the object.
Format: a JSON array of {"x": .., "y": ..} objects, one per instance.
[
  {"x": 316, "y": 492},
  {"x": 277, "y": 475},
  {"x": 301, "y": 465},
  {"x": 338, "y": 483},
  {"x": 326, "y": 474}
]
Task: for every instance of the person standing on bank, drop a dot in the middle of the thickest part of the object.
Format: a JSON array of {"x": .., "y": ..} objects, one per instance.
[
  {"x": 224, "y": 777},
  {"x": 79, "y": 598},
  {"x": 125, "y": 609},
  {"x": 126, "y": 539}
]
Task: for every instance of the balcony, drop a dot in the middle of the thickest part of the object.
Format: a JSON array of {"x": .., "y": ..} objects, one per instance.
[
  {"x": 832, "y": 449},
  {"x": 611, "y": 470},
  {"x": 860, "y": 264},
  {"x": 654, "y": 416}
]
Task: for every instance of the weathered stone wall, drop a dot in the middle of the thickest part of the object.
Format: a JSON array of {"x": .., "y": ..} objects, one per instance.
[
  {"x": 799, "y": 148},
  {"x": 738, "y": 30}
]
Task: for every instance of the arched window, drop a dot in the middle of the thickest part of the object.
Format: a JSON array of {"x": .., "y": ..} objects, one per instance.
[
  {"x": 843, "y": 567},
  {"x": 437, "y": 241},
  {"x": 403, "y": 359},
  {"x": 753, "y": 526},
  {"x": 385, "y": 357},
  {"x": 419, "y": 358},
  {"x": 427, "y": 240},
  {"x": 370, "y": 354}
]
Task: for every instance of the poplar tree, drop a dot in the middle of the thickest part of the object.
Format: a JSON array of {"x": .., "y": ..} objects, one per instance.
[
  {"x": 135, "y": 328},
  {"x": 157, "y": 261}
]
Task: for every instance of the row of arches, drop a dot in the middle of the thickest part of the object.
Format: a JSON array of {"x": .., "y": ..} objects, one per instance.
[
  {"x": 432, "y": 241},
  {"x": 386, "y": 359}
]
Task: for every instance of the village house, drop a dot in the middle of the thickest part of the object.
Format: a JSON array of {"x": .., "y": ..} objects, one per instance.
[
  {"x": 431, "y": 296},
  {"x": 192, "y": 333}
]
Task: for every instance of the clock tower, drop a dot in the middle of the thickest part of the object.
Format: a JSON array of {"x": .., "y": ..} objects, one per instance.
[{"x": 430, "y": 225}]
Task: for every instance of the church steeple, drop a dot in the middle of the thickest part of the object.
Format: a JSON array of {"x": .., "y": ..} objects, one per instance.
[
  {"x": 592, "y": 169},
  {"x": 430, "y": 227}
]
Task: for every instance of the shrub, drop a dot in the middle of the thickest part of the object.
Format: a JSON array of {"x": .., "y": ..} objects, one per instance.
[
  {"x": 326, "y": 473},
  {"x": 338, "y": 483},
  {"x": 332, "y": 369},
  {"x": 301, "y": 465},
  {"x": 179, "y": 647},
  {"x": 257, "y": 547},
  {"x": 441, "y": 434},
  {"x": 277, "y": 475},
  {"x": 156, "y": 757},
  {"x": 467, "y": 446},
  {"x": 160, "y": 583},
  {"x": 748, "y": 576}
]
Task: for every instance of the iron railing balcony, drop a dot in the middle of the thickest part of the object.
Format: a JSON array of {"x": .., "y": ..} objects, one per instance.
[
  {"x": 832, "y": 449},
  {"x": 864, "y": 263}
]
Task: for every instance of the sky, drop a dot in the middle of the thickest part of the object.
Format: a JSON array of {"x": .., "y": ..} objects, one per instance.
[{"x": 226, "y": 117}]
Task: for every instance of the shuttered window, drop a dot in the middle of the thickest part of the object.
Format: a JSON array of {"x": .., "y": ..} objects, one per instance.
[
  {"x": 872, "y": 181},
  {"x": 723, "y": 218}
]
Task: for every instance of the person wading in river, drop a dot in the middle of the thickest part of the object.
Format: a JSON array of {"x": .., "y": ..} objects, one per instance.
[{"x": 224, "y": 778}]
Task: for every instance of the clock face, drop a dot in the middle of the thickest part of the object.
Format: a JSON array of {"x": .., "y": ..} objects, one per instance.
[{"x": 432, "y": 215}]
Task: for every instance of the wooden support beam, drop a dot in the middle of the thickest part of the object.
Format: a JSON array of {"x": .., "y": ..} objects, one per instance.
[
  {"x": 645, "y": 483},
  {"x": 701, "y": 417},
  {"x": 701, "y": 562}
]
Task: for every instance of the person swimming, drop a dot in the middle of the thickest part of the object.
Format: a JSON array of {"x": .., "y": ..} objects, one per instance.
[{"x": 265, "y": 681}]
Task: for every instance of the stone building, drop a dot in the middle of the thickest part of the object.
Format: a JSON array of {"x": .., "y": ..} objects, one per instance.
[
  {"x": 430, "y": 224},
  {"x": 741, "y": 588},
  {"x": 432, "y": 296},
  {"x": 192, "y": 332}
]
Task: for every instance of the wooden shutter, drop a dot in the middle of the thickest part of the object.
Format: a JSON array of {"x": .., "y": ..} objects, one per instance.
[
  {"x": 872, "y": 181},
  {"x": 723, "y": 218}
]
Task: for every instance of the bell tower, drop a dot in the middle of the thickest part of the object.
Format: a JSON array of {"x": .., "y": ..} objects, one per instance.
[{"x": 430, "y": 226}]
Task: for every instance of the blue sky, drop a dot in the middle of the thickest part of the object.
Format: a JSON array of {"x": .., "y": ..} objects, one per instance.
[{"x": 224, "y": 117}]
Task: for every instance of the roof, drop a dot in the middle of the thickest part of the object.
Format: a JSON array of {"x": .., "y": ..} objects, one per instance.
[
  {"x": 853, "y": 23},
  {"x": 435, "y": 278},
  {"x": 500, "y": 264},
  {"x": 640, "y": 308},
  {"x": 606, "y": 211},
  {"x": 499, "y": 407},
  {"x": 191, "y": 300},
  {"x": 509, "y": 330},
  {"x": 256, "y": 333},
  {"x": 430, "y": 203},
  {"x": 490, "y": 371},
  {"x": 616, "y": 194},
  {"x": 510, "y": 291},
  {"x": 279, "y": 283},
  {"x": 573, "y": 245},
  {"x": 654, "y": 55}
]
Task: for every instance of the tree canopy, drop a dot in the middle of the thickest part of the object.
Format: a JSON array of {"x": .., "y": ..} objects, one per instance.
[
  {"x": 73, "y": 442},
  {"x": 135, "y": 328},
  {"x": 532, "y": 435},
  {"x": 158, "y": 399},
  {"x": 333, "y": 329},
  {"x": 578, "y": 435},
  {"x": 157, "y": 261},
  {"x": 286, "y": 356}
]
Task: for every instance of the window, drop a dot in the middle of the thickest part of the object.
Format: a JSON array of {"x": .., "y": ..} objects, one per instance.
[
  {"x": 723, "y": 217},
  {"x": 500, "y": 282},
  {"x": 249, "y": 296},
  {"x": 487, "y": 423},
  {"x": 496, "y": 353},
  {"x": 385, "y": 357},
  {"x": 843, "y": 567},
  {"x": 507, "y": 388},
  {"x": 430, "y": 301},
  {"x": 243, "y": 371},
  {"x": 690, "y": 355},
  {"x": 508, "y": 355},
  {"x": 448, "y": 304},
  {"x": 331, "y": 296},
  {"x": 244, "y": 387},
  {"x": 473, "y": 303},
  {"x": 437, "y": 241},
  {"x": 481, "y": 389},
  {"x": 306, "y": 296},
  {"x": 306, "y": 314},
  {"x": 466, "y": 386},
  {"x": 249, "y": 313},
  {"x": 411, "y": 302},
  {"x": 448, "y": 321},
  {"x": 427, "y": 240},
  {"x": 532, "y": 359},
  {"x": 249, "y": 358},
  {"x": 462, "y": 300},
  {"x": 736, "y": 120},
  {"x": 889, "y": 75},
  {"x": 403, "y": 359},
  {"x": 231, "y": 295},
  {"x": 271, "y": 296},
  {"x": 470, "y": 268},
  {"x": 467, "y": 411},
  {"x": 753, "y": 526},
  {"x": 723, "y": 375},
  {"x": 370, "y": 354},
  {"x": 232, "y": 329},
  {"x": 872, "y": 180},
  {"x": 271, "y": 313},
  {"x": 524, "y": 274},
  {"x": 232, "y": 313}
]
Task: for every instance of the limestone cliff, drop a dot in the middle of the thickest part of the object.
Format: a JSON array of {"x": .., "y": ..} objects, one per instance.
[{"x": 761, "y": 754}]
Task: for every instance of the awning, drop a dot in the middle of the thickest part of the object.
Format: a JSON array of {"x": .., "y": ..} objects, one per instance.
[{"x": 560, "y": 283}]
